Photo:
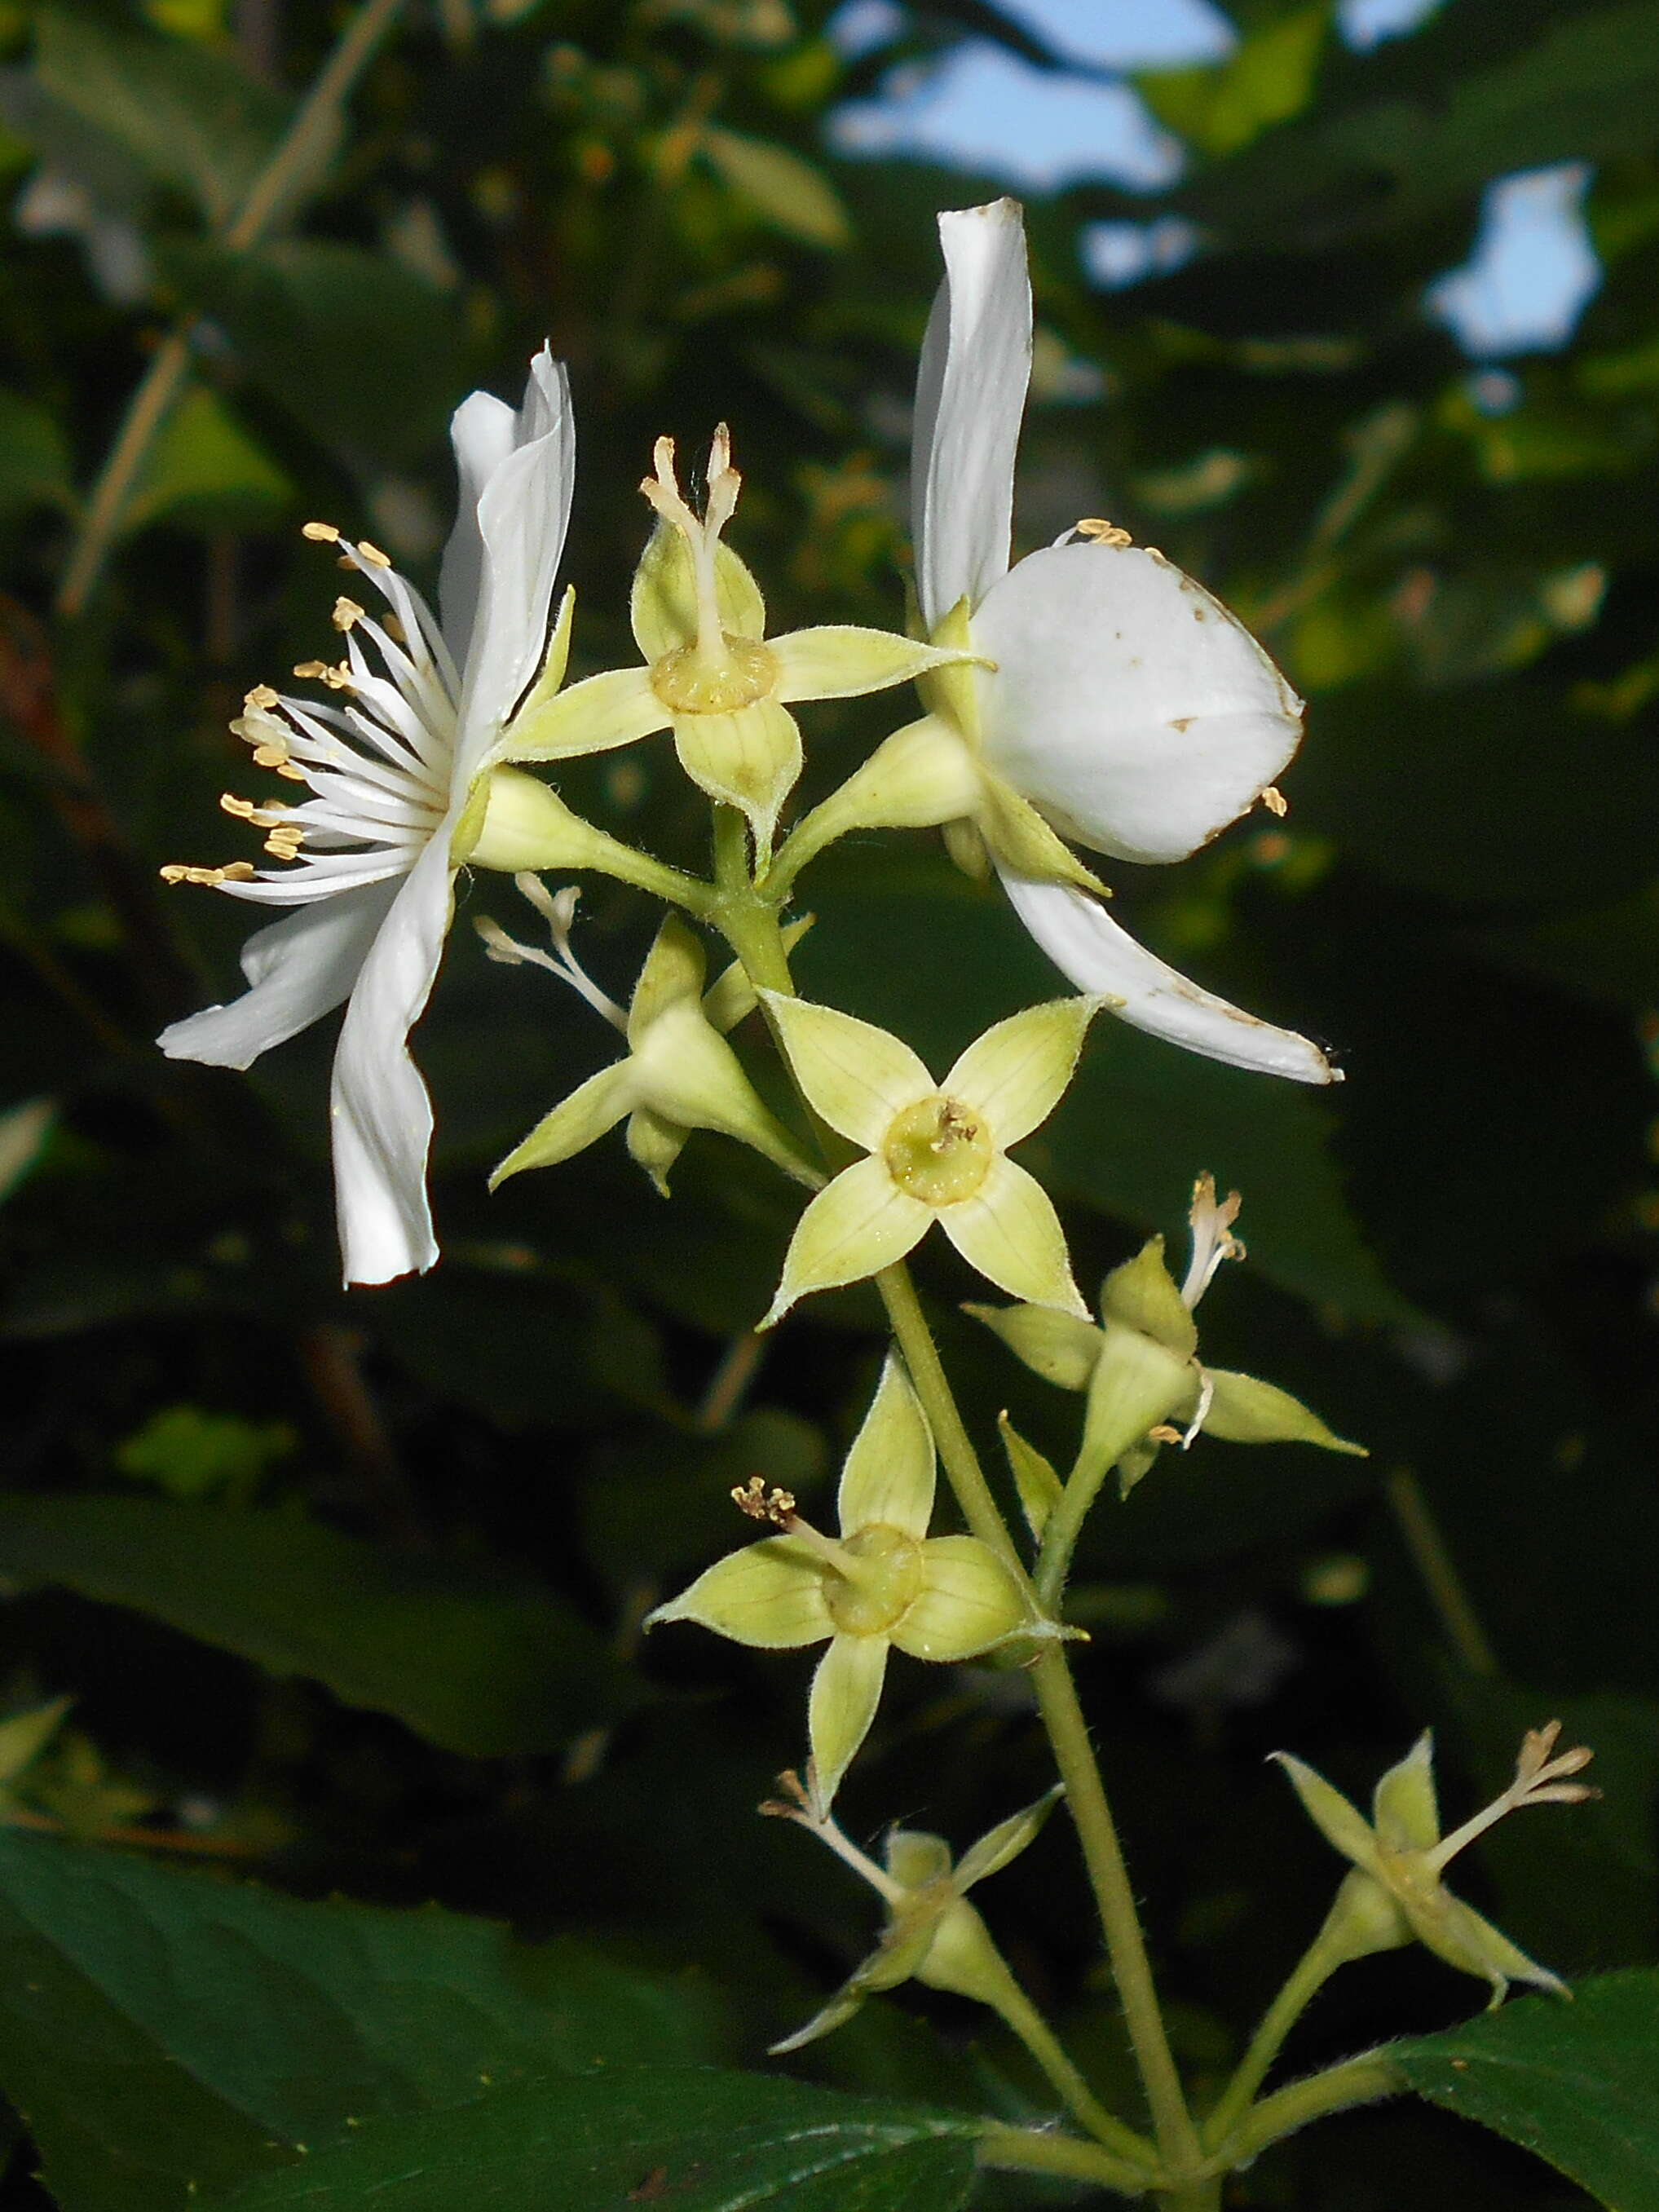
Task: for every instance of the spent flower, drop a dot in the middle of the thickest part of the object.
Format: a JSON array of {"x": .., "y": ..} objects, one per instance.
[
  {"x": 882, "y": 1584},
  {"x": 712, "y": 675},
  {"x": 1140, "y": 1366},
  {"x": 1396, "y": 1894},
  {"x": 936, "y": 1151},
  {"x": 932, "y": 1934},
  {"x": 679, "y": 1074},
  {"x": 397, "y": 766}
]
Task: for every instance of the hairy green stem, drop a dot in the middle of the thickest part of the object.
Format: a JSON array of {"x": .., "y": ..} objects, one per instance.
[
  {"x": 1362, "y": 2081},
  {"x": 1085, "y": 1799},
  {"x": 1020, "y": 2150},
  {"x": 956, "y": 1447},
  {"x": 1040, "y": 2039},
  {"x": 630, "y": 866},
  {"x": 1314, "y": 1967},
  {"x": 303, "y": 147}
]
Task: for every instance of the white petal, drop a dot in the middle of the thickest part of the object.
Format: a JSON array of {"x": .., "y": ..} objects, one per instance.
[
  {"x": 1127, "y": 703},
  {"x": 381, "y": 1115},
  {"x": 481, "y": 432},
  {"x": 970, "y": 395},
  {"x": 1087, "y": 945},
  {"x": 298, "y": 969},
  {"x": 522, "y": 516}
]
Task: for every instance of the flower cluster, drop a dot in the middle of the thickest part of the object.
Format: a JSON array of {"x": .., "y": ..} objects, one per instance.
[{"x": 1089, "y": 693}]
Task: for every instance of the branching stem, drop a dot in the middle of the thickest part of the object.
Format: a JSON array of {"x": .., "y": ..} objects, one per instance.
[{"x": 751, "y": 926}]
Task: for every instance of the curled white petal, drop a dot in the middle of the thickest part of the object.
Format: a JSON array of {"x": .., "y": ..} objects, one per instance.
[
  {"x": 381, "y": 1114},
  {"x": 1086, "y": 945},
  {"x": 970, "y": 395},
  {"x": 298, "y": 969},
  {"x": 522, "y": 516},
  {"x": 1127, "y": 704}
]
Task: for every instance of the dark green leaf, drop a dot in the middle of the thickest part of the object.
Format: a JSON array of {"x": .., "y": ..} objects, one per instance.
[
  {"x": 34, "y": 462},
  {"x": 187, "y": 116},
  {"x": 164, "y": 2033},
  {"x": 204, "y": 472},
  {"x": 365, "y": 355},
  {"x": 1576, "y": 2082},
  {"x": 702, "y": 2141},
  {"x": 474, "y": 1659}
]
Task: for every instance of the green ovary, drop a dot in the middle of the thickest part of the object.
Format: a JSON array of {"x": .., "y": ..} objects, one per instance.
[
  {"x": 885, "y": 1581},
  {"x": 939, "y": 1151}
]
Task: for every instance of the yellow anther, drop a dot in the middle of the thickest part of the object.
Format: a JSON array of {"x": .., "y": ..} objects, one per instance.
[
  {"x": 346, "y": 612},
  {"x": 340, "y": 678},
  {"x": 243, "y": 809},
  {"x": 311, "y": 671},
  {"x": 760, "y": 1503},
  {"x": 261, "y": 699},
  {"x": 320, "y": 533},
  {"x": 372, "y": 555},
  {"x": 1100, "y": 531},
  {"x": 1275, "y": 801},
  {"x": 234, "y": 872}
]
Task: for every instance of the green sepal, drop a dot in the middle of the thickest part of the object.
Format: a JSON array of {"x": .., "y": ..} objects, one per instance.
[
  {"x": 654, "y": 1144},
  {"x": 1058, "y": 1346},
  {"x": 840, "y": 660},
  {"x": 1137, "y": 1384},
  {"x": 1142, "y": 1294},
  {"x": 952, "y": 692},
  {"x": 554, "y": 661},
  {"x": 1019, "y": 838},
  {"x": 1245, "y": 1411},
  {"x": 967, "y": 850},
  {"x": 962, "y": 1960},
  {"x": 1039, "y": 1488},
  {"x": 998, "y": 1847},
  {"x": 590, "y": 1112},
  {"x": 674, "y": 970}
]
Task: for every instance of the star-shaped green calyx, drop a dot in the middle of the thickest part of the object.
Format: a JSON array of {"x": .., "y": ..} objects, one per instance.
[
  {"x": 881, "y": 1584},
  {"x": 711, "y": 673},
  {"x": 1396, "y": 1894}
]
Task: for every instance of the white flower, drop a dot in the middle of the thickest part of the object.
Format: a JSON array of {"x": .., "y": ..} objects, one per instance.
[
  {"x": 367, "y": 858},
  {"x": 1124, "y": 704}
]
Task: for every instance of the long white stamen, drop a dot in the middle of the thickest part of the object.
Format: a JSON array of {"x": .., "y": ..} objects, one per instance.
[{"x": 558, "y": 913}]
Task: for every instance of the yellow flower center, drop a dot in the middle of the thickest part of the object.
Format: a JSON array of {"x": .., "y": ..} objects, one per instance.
[
  {"x": 885, "y": 1581},
  {"x": 939, "y": 1150},
  {"x": 692, "y": 680}
]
